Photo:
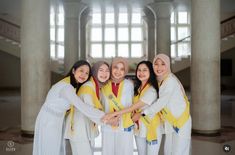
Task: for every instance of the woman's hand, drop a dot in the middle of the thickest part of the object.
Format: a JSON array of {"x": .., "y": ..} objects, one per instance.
[
  {"x": 136, "y": 116},
  {"x": 114, "y": 121},
  {"x": 109, "y": 116}
]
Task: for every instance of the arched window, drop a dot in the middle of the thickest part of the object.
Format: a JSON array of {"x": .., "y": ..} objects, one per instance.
[{"x": 116, "y": 31}]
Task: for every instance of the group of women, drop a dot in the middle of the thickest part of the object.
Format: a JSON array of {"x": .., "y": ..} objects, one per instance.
[{"x": 152, "y": 104}]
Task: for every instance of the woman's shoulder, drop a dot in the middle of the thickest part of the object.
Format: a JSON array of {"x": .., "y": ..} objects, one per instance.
[
  {"x": 151, "y": 88},
  {"x": 128, "y": 82},
  {"x": 170, "y": 80},
  {"x": 88, "y": 83},
  {"x": 62, "y": 85},
  {"x": 173, "y": 80}
]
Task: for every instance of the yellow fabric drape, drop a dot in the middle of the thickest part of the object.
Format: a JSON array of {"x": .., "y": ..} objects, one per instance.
[
  {"x": 115, "y": 104},
  {"x": 150, "y": 124}
]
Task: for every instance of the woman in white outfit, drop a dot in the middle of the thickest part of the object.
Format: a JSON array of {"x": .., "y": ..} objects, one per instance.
[
  {"x": 173, "y": 106},
  {"x": 116, "y": 95},
  {"x": 80, "y": 130},
  {"x": 148, "y": 129},
  {"x": 48, "y": 136}
]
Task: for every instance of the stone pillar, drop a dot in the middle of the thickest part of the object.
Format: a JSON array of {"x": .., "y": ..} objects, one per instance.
[
  {"x": 151, "y": 46},
  {"x": 35, "y": 59},
  {"x": 205, "y": 66},
  {"x": 162, "y": 10},
  {"x": 73, "y": 9}
]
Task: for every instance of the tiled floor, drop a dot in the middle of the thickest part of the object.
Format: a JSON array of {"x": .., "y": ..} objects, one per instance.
[{"x": 11, "y": 143}]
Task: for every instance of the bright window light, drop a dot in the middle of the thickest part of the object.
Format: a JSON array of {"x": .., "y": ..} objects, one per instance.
[
  {"x": 60, "y": 18},
  {"x": 60, "y": 34},
  {"x": 136, "y": 50},
  {"x": 172, "y": 18},
  {"x": 96, "y": 50},
  {"x": 52, "y": 51},
  {"x": 96, "y": 34},
  {"x": 123, "y": 18},
  {"x": 52, "y": 34},
  {"x": 136, "y": 34},
  {"x": 109, "y": 34},
  {"x": 182, "y": 17},
  {"x": 96, "y": 18},
  {"x": 173, "y": 34},
  {"x": 109, "y": 50},
  {"x": 183, "y": 49},
  {"x": 60, "y": 51},
  {"x": 109, "y": 18},
  {"x": 182, "y": 32},
  {"x": 123, "y": 50},
  {"x": 173, "y": 52},
  {"x": 136, "y": 18},
  {"x": 116, "y": 32},
  {"x": 123, "y": 34}
]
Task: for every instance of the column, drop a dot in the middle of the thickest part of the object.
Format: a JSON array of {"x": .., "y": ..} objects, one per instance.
[
  {"x": 205, "y": 66},
  {"x": 73, "y": 9},
  {"x": 35, "y": 59},
  {"x": 162, "y": 10},
  {"x": 149, "y": 18}
]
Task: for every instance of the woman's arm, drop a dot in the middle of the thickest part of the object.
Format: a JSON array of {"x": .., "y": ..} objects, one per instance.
[
  {"x": 94, "y": 114},
  {"x": 146, "y": 99},
  {"x": 112, "y": 115},
  {"x": 165, "y": 93}
]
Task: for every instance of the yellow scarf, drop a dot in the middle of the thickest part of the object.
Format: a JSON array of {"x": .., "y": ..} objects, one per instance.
[
  {"x": 179, "y": 122},
  {"x": 150, "y": 124},
  {"x": 115, "y": 104},
  {"x": 86, "y": 89}
]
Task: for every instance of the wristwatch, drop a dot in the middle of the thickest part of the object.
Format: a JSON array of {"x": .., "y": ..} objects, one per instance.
[{"x": 143, "y": 114}]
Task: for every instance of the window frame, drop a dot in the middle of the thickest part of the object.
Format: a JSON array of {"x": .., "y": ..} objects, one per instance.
[{"x": 116, "y": 25}]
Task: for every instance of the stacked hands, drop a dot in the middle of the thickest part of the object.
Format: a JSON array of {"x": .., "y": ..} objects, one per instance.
[{"x": 113, "y": 118}]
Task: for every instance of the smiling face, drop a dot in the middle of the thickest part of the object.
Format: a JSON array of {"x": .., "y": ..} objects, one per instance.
[
  {"x": 103, "y": 73},
  {"x": 81, "y": 74},
  {"x": 118, "y": 71},
  {"x": 143, "y": 73},
  {"x": 160, "y": 68}
]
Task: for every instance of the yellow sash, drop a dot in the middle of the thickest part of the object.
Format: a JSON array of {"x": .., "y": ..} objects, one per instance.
[
  {"x": 115, "y": 104},
  {"x": 177, "y": 123},
  {"x": 85, "y": 89},
  {"x": 150, "y": 124}
]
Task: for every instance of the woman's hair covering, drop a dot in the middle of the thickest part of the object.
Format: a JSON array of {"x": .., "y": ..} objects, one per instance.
[
  {"x": 95, "y": 69},
  {"x": 165, "y": 58},
  {"x": 121, "y": 60},
  {"x": 115, "y": 62}
]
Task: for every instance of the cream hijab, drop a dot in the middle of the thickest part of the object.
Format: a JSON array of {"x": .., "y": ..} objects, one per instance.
[
  {"x": 115, "y": 62},
  {"x": 166, "y": 60}
]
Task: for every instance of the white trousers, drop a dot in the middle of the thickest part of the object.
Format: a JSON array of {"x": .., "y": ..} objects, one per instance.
[
  {"x": 117, "y": 143},
  {"x": 81, "y": 147},
  {"x": 146, "y": 149},
  {"x": 176, "y": 145}
]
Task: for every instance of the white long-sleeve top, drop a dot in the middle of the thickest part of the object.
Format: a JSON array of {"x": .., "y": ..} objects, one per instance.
[
  {"x": 62, "y": 95},
  {"x": 171, "y": 96},
  {"x": 48, "y": 136},
  {"x": 126, "y": 100},
  {"x": 83, "y": 127},
  {"x": 148, "y": 98}
]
